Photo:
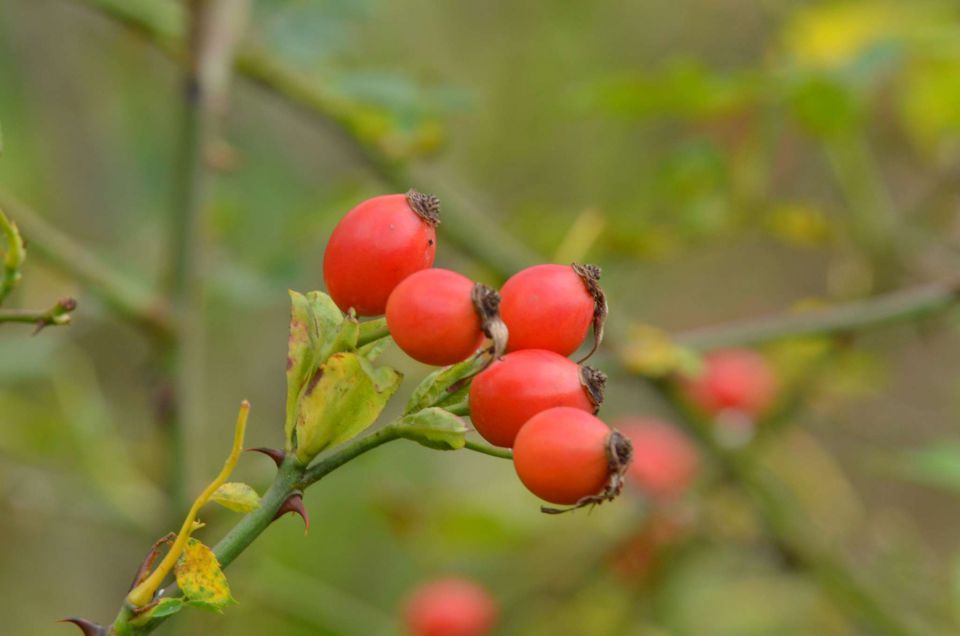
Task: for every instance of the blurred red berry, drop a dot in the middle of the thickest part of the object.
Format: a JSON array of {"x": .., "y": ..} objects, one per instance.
[
  {"x": 733, "y": 380},
  {"x": 375, "y": 246},
  {"x": 432, "y": 317},
  {"x": 450, "y": 607},
  {"x": 563, "y": 455},
  {"x": 523, "y": 383},
  {"x": 548, "y": 307},
  {"x": 665, "y": 461}
]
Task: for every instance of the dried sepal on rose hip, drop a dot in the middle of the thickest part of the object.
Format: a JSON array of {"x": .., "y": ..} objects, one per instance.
[
  {"x": 523, "y": 383},
  {"x": 553, "y": 307},
  {"x": 440, "y": 317},
  {"x": 376, "y": 245},
  {"x": 569, "y": 457}
]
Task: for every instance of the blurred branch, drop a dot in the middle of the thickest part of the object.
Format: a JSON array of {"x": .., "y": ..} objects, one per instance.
[
  {"x": 125, "y": 296},
  {"x": 57, "y": 315},
  {"x": 899, "y": 306},
  {"x": 465, "y": 225},
  {"x": 215, "y": 29}
]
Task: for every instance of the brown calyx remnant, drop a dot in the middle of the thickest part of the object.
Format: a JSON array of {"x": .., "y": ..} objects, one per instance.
[
  {"x": 594, "y": 382},
  {"x": 486, "y": 301},
  {"x": 619, "y": 455},
  {"x": 590, "y": 275},
  {"x": 426, "y": 206}
]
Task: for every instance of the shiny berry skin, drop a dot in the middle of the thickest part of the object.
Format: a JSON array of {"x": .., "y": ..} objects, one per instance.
[
  {"x": 374, "y": 247},
  {"x": 546, "y": 307},
  {"x": 431, "y": 317},
  {"x": 665, "y": 461},
  {"x": 450, "y": 607},
  {"x": 561, "y": 455},
  {"x": 518, "y": 386},
  {"x": 733, "y": 380}
]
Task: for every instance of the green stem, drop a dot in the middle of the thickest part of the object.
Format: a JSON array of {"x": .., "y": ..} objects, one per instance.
[
  {"x": 504, "y": 453},
  {"x": 372, "y": 330},
  {"x": 321, "y": 468},
  {"x": 899, "y": 306},
  {"x": 59, "y": 314}
]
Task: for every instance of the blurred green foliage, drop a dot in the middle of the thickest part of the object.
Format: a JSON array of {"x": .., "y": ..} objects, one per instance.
[{"x": 719, "y": 159}]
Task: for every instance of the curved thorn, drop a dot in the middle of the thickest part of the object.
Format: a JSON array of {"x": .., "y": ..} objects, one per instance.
[
  {"x": 275, "y": 454},
  {"x": 88, "y": 628},
  {"x": 294, "y": 503}
]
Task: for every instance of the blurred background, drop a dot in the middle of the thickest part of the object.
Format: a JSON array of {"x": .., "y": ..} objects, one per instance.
[{"x": 721, "y": 159}]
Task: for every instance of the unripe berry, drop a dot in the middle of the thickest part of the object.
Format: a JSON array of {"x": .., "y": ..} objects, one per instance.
[
  {"x": 552, "y": 307},
  {"x": 450, "y": 607},
  {"x": 665, "y": 461},
  {"x": 733, "y": 380},
  {"x": 567, "y": 456},
  {"x": 523, "y": 383},
  {"x": 376, "y": 245}
]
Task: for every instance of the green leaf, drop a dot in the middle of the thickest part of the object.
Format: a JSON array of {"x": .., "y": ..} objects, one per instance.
[
  {"x": 315, "y": 325},
  {"x": 345, "y": 396},
  {"x": 441, "y": 386},
  {"x": 200, "y": 578},
  {"x": 937, "y": 465},
  {"x": 374, "y": 350},
  {"x": 167, "y": 607},
  {"x": 434, "y": 428},
  {"x": 237, "y": 496}
]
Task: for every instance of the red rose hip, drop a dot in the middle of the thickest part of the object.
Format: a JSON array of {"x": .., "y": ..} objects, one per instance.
[
  {"x": 523, "y": 383},
  {"x": 552, "y": 307},
  {"x": 569, "y": 457},
  {"x": 665, "y": 461},
  {"x": 378, "y": 244},
  {"x": 733, "y": 380},
  {"x": 450, "y": 607},
  {"x": 432, "y": 317}
]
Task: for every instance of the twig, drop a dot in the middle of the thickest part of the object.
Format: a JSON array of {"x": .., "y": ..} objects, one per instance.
[
  {"x": 503, "y": 453},
  {"x": 57, "y": 315}
]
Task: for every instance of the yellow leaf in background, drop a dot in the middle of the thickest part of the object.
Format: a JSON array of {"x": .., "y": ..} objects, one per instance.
[
  {"x": 237, "y": 496},
  {"x": 800, "y": 224},
  {"x": 200, "y": 578},
  {"x": 650, "y": 351},
  {"x": 829, "y": 35}
]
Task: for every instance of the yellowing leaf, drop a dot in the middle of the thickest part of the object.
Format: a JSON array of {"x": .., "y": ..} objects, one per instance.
[
  {"x": 237, "y": 496},
  {"x": 345, "y": 396},
  {"x": 829, "y": 35},
  {"x": 200, "y": 578},
  {"x": 651, "y": 352}
]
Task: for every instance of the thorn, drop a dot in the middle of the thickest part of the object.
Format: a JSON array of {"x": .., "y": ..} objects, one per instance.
[
  {"x": 88, "y": 628},
  {"x": 150, "y": 559},
  {"x": 275, "y": 454},
  {"x": 294, "y": 503}
]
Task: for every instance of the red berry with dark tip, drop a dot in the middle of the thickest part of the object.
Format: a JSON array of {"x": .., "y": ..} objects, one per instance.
[
  {"x": 523, "y": 383},
  {"x": 375, "y": 246},
  {"x": 733, "y": 380},
  {"x": 548, "y": 307},
  {"x": 450, "y": 607},
  {"x": 563, "y": 455},
  {"x": 432, "y": 317},
  {"x": 665, "y": 461}
]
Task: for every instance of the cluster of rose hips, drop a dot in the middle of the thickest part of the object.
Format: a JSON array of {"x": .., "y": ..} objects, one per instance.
[{"x": 532, "y": 397}]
